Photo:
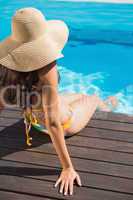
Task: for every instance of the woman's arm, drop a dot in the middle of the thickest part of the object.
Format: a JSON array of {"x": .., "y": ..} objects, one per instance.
[{"x": 51, "y": 106}]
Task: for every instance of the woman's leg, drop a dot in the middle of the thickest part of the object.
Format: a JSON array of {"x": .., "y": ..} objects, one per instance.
[
  {"x": 103, "y": 105},
  {"x": 84, "y": 108},
  {"x": 70, "y": 97}
]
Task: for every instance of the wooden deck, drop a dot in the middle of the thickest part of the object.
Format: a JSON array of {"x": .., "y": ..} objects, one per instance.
[{"x": 102, "y": 153}]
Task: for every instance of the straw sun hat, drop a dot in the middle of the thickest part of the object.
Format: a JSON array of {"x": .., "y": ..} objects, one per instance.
[{"x": 34, "y": 42}]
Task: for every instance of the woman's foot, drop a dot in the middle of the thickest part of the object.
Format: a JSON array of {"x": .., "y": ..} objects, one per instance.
[
  {"x": 109, "y": 104},
  {"x": 112, "y": 101}
]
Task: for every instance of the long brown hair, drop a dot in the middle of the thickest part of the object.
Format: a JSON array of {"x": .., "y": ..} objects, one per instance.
[
  {"x": 26, "y": 81},
  {"x": 9, "y": 77}
]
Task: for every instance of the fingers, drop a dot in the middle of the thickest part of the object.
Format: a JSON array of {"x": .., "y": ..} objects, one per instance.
[
  {"x": 57, "y": 182},
  {"x": 62, "y": 187},
  {"x": 71, "y": 187},
  {"x": 67, "y": 183},
  {"x": 66, "y": 188},
  {"x": 78, "y": 180}
]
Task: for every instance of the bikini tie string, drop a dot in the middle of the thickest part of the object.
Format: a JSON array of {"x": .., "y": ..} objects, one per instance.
[{"x": 30, "y": 120}]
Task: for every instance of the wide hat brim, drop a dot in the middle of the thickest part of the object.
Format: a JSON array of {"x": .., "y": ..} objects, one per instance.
[{"x": 35, "y": 54}]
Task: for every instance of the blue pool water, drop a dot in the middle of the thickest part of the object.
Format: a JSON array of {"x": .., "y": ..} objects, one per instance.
[{"x": 99, "y": 54}]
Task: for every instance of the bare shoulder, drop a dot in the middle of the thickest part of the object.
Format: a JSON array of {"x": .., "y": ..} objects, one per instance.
[{"x": 48, "y": 73}]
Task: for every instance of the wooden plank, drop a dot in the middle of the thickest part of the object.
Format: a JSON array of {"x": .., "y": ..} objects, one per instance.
[
  {"x": 101, "y": 144},
  {"x": 77, "y": 152},
  {"x": 5, "y": 122},
  {"x": 11, "y": 113},
  {"x": 111, "y": 125},
  {"x": 105, "y": 126},
  {"x": 86, "y": 132},
  {"x": 11, "y": 126},
  {"x": 82, "y": 152},
  {"x": 78, "y": 141},
  {"x": 87, "y": 144},
  {"x": 92, "y": 154},
  {"x": 111, "y": 116},
  {"x": 16, "y": 109},
  {"x": 8, "y": 195},
  {"x": 120, "y": 126},
  {"x": 107, "y": 134},
  {"x": 114, "y": 184},
  {"x": 46, "y": 189},
  {"x": 91, "y": 166},
  {"x": 75, "y": 140}
]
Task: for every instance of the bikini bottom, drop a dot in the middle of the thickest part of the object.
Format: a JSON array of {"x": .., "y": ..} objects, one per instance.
[{"x": 32, "y": 119}]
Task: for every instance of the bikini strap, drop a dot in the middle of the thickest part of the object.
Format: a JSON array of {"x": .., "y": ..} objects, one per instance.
[{"x": 28, "y": 124}]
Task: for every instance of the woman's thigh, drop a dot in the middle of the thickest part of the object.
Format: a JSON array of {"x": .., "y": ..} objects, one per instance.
[
  {"x": 83, "y": 109},
  {"x": 70, "y": 97}
]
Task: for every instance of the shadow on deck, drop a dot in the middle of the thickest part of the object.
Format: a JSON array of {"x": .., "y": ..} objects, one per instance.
[{"x": 102, "y": 154}]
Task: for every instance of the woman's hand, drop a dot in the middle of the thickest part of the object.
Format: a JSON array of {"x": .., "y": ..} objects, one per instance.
[{"x": 66, "y": 180}]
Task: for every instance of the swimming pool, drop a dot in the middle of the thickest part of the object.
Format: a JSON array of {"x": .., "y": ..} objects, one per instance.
[{"x": 98, "y": 57}]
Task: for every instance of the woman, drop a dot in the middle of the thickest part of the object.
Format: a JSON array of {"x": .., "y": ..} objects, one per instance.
[{"x": 28, "y": 67}]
